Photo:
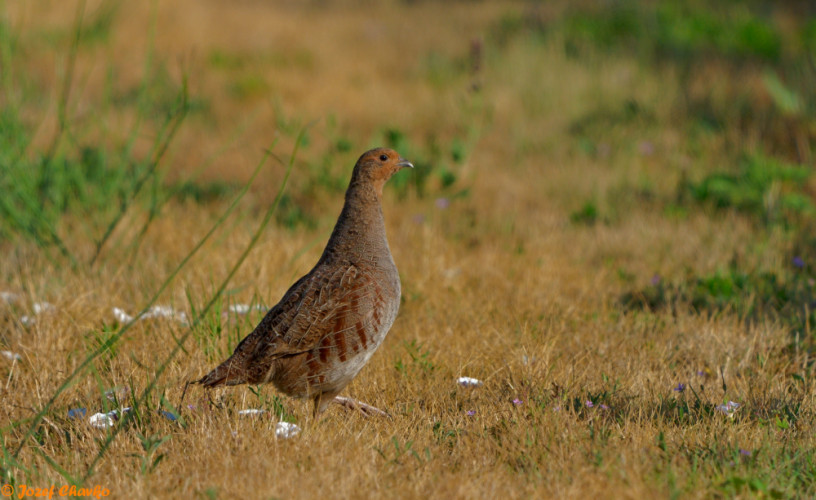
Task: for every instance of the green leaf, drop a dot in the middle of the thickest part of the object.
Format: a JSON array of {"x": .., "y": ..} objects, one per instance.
[{"x": 785, "y": 99}]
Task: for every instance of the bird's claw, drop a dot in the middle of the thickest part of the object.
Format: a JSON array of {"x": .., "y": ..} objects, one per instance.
[{"x": 365, "y": 409}]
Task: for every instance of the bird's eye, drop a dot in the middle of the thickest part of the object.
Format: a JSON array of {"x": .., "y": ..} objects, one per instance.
[{"x": 383, "y": 157}]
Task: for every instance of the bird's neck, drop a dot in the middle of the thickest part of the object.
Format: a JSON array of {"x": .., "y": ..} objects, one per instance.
[{"x": 360, "y": 229}]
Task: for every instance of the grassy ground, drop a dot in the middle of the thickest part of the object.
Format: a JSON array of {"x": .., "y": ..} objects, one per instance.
[{"x": 611, "y": 226}]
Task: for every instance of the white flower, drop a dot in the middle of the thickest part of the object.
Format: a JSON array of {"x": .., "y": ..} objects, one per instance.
[
  {"x": 153, "y": 312},
  {"x": 121, "y": 316},
  {"x": 239, "y": 308},
  {"x": 728, "y": 408},
  {"x": 105, "y": 420},
  {"x": 11, "y": 356},
  {"x": 41, "y": 307},
  {"x": 251, "y": 411},
  {"x": 245, "y": 308},
  {"x": 166, "y": 312},
  {"x": 285, "y": 430},
  {"x": 101, "y": 420}
]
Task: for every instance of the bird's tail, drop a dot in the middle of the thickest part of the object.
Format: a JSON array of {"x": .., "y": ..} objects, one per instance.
[{"x": 227, "y": 373}]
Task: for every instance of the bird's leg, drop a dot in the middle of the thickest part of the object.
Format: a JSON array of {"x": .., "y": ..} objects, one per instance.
[
  {"x": 353, "y": 404},
  {"x": 321, "y": 402}
]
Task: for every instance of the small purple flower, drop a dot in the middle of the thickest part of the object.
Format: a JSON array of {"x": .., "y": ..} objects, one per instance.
[
  {"x": 745, "y": 453},
  {"x": 168, "y": 415},
  {"x": 191, "y": 407},
  {"x": 518, "y": 402},
  {"x": 798, "y": 263},
  {"x": 603, "y": 406},
  {"x": 470, "y": 413},
  {"x": 589, "y": 404},
  {"x": 680, "y": 387},
  {"x": 442, "y": 203},
  {"x": 655, "y": 280},
  {"x": 557, "y": 408},
  {"x": 77, "y": 413},
  {"x": 700, "y": 373},
  {"x": 646, "y": 148}
]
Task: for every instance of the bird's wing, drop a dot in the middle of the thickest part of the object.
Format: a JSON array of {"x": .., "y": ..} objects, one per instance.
[{"x": 318, "y": 304}]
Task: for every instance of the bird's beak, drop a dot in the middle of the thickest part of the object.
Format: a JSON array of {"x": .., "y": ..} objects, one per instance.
[{"x": 404, "y": 163}]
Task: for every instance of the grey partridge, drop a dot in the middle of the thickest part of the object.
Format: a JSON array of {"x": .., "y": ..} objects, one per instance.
[{"x": 330, "y": 322}]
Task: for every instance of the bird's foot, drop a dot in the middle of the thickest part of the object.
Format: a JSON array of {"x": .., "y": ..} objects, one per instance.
[{"x": 353, "y": 404}]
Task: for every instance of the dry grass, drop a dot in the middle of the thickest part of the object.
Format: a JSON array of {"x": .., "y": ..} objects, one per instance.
[{"x": 499, "y": 285}]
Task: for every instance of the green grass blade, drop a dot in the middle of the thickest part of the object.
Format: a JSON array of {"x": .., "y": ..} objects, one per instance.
[
  {"x": 87, "y": 361},
  {"x": 254, "y": 240}
]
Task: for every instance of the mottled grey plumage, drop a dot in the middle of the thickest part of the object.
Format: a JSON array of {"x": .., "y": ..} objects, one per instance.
[{"x": 330, "y": 322}]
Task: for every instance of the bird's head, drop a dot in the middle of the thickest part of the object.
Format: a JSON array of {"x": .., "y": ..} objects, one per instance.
[{"x": 376, "y": 166}]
